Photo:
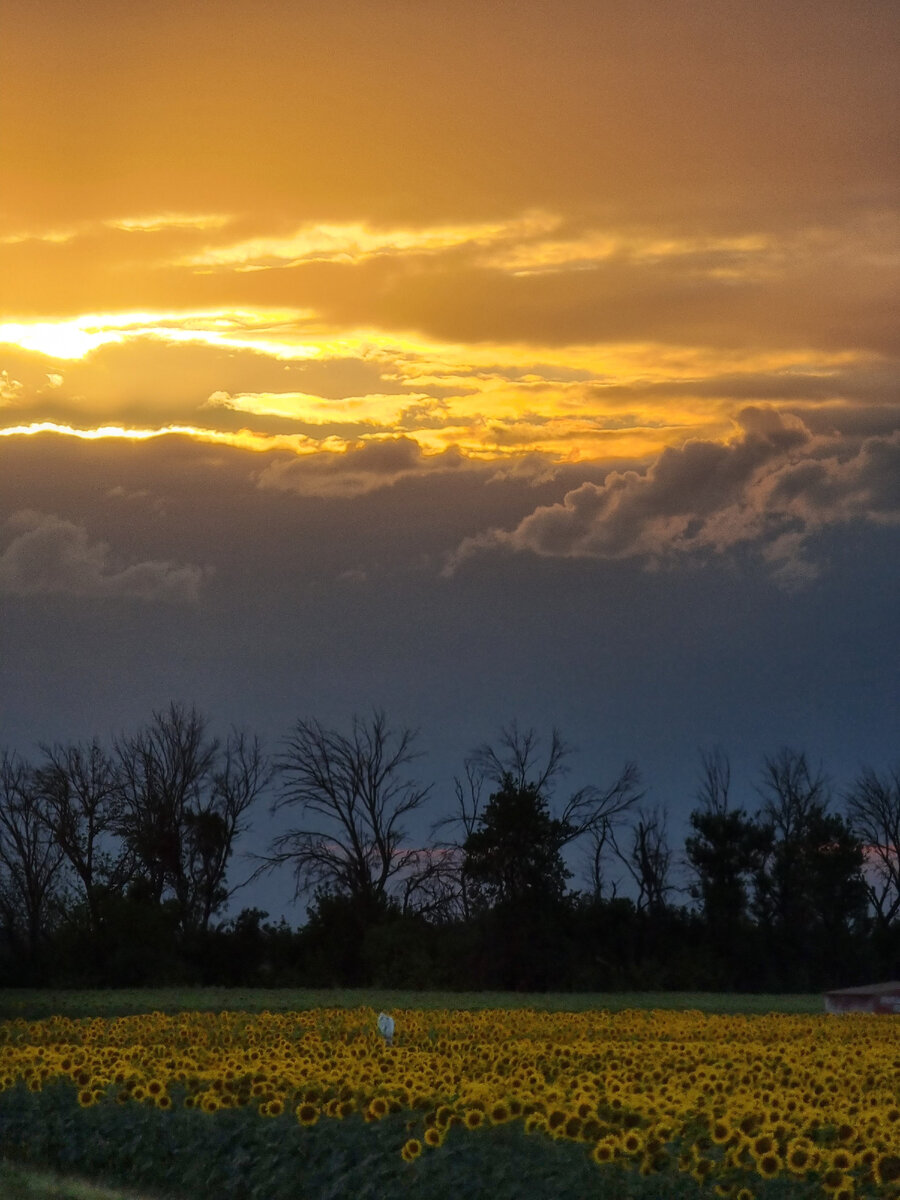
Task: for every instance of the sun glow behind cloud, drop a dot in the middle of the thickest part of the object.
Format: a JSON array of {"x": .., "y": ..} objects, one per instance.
[
  {"x": 239, "y": 330},
  {"x": 520, "y": 245},
  {"x": 358, "y": 241},
  {"x": 488, "y": 399},
  {"x": 244, "y": 439}
]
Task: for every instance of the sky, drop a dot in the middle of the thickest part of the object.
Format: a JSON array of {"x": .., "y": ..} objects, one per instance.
[{"x": 471, "y": 362}]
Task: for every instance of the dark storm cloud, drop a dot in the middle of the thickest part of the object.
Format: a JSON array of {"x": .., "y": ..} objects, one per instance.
[
  {"x": 362, "y": 468},
  {"x": 774, "y": 486},
  {"x": 51, "y": 556}
]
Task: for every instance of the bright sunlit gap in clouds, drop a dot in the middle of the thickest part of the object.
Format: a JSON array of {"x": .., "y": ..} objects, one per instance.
[
  {"x": 79, "y": 336},
  {"x": 570, "y": 402}
]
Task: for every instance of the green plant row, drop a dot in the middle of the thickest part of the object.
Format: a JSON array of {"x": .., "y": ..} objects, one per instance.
[
  {"x": 19, "y": 1182},
  {"x": 238, "y": 1155},
  {"x": 34, "y": 1004}
]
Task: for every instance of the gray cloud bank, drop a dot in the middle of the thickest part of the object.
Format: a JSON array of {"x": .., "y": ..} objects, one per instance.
[
  {"x": 774, "y": 486},
  {"x": 364, "y": 468},
  {"x": 52, "y": 556}
]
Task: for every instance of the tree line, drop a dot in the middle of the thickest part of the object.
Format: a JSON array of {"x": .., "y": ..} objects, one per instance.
[{"x": 118, "y": 867}]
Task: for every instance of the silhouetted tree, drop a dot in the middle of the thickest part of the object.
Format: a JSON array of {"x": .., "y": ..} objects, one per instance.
[
  {"x": 184, "y": 798},
  {"x": 873, "y": 806},
  {"x": 518, "y": 761},
  {"x": 351, "y": 793},
  {"x": 513, "y": 857},
  {"x": 648, "y": 860},
  {"x": 809, "y": 892},
  {"x": 724, "y": 852},
  {"x": 241, "y": 774},
  {"x": 516, "y": 880},
  {"x": 30, "y": 860},
  {"x": 82, "y": 806}
]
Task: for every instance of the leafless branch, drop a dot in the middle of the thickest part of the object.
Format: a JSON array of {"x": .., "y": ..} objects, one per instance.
[
  {"x": 873, "y": 807},
  {"x": 352, "y": 794}
]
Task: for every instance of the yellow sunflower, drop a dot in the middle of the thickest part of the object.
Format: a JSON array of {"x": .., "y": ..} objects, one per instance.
[
  {"x": 769, "y": 1165},
  {"x": 834, "y": 1181},
  {"x": 604, "y": 1151},
  {"x": 411, "y": 1150},
  {"x": 886, "y": 1169}
]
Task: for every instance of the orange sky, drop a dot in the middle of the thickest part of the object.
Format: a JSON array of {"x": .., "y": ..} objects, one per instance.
[
  {"x": 475, "y": 360},
  {"x": 493, "y": 230}
]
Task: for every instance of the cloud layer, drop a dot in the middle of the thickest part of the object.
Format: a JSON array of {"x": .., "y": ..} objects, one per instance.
[
  {"x": 773, "y": 486},
  {"x": 49, "y": 555},
  {"x": 470, "y": 241}
]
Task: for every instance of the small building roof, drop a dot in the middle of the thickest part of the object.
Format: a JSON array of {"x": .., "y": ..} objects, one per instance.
[{"x": 869, "y": 989}]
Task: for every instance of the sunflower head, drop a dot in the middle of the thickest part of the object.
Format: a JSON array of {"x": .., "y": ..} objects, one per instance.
[
  {"x": 306, "y": 1113},
  {"x": 834, "y": 1181},
  {"x": 886, "y": 1169},
  {"x": 604, "y": 1151},
  {"x": 411, "y": 1150},
  {"x": 768, "y": 1165},
  {"x": 721, "y": 1132}
]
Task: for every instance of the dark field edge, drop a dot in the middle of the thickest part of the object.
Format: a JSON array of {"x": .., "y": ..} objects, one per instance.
[
  {"x": 33, "y": 1004},
  {"x": 18, "y": 1182},
  {"x": 238, "y": 1155}
]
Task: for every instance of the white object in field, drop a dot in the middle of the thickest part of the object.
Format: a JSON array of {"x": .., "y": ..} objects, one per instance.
[{"x": 386, "y": 1027}]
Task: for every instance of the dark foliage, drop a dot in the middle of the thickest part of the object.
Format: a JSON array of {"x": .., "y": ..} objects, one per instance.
[{"x": 114, "y": 867}]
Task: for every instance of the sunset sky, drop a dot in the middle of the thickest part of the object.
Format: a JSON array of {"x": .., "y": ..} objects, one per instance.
[{"x": 470, "y": 360}]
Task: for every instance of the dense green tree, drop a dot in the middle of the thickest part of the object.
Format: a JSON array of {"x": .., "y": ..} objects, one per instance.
[
  {"x": 516, "y": 877},
  {"x": 518, "y": 761},
  {"x": 514, "y": 855},
  {"x": 810, "y": 895},
  {"x": 725, "y": 851}
]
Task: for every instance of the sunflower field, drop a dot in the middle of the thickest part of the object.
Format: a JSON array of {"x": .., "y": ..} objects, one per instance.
[{"x": 497, "y": 1102}]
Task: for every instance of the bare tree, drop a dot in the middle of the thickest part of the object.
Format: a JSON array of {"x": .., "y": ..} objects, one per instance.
[
  {"x": 649, "y": 859},
  {"x": 77, "y": 786},
  {"x": 431, "y": 886},
  {"x": 469, "y": 793},
  {"x": 241, "y": 774},
  {"x": 30, "y": 860},
  {"x": 792, "y": 792},
  {"x": 873, "y": 806},
  {"x": 183, "y": 798},
  {"x": 519, "y": 760},
  {"x": 600, "y": 846},
  {"x": 724, "y": 852},
  {"x": 516, "y": 757},
  {"x": 351, "y": 793},
  {"x": 809, "y": 889},
  {"x": 715, "y": 782}
]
